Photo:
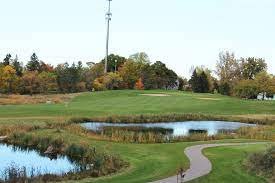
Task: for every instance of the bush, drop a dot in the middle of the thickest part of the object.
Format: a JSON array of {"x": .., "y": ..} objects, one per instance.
[
  {"x": 263, "y": 163},
  {"x": 225, "y": 89},
  {"x": 246, "y": 89}
]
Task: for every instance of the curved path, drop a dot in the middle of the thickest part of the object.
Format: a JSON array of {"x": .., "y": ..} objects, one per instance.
[{"x": 199, "y": 164}]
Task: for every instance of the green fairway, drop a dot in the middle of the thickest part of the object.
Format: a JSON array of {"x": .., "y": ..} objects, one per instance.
[
  {"x": 227, "y": 164},
  {"x": 131, "y": 102}
]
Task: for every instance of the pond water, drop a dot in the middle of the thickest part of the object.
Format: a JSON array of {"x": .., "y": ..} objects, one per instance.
[
  {"x": 33, "y": 162},
  {"x": 177, "y": 128}
]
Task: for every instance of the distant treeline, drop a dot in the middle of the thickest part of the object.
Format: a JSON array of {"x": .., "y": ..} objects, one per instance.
[
  {"x": 37, "y": 76},
  {"x": 243, "y": 77}
]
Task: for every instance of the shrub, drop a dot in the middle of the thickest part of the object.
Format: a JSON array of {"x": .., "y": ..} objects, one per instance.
[
  {"x": 246, "y": 89},
  {"x": 263, "y": 163}
]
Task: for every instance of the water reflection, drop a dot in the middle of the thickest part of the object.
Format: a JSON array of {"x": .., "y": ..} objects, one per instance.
[
  {"x": 34, "y": 163},
  {"x": 178, "y": 128}
]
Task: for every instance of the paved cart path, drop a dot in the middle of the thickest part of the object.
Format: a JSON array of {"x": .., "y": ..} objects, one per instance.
[{"x": 199, "y": 164}]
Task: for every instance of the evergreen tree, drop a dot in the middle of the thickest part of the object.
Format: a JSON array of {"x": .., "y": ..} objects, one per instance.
[
  {"x": 7, "y": 60},
  {"x": 194, "y": 81},
  {"x": 199, "y": 82},
  {"x": 33, "y": 64},
  {"x": 17, "y": 66},
  {"x": 204, "y": 83}
]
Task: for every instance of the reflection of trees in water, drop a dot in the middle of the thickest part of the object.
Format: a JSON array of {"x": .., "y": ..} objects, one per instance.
[
  {"x": 194, "y": 131},
  {"x": 226, "y": 131}
]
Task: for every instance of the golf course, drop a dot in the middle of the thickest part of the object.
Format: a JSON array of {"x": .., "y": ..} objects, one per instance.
[{"x": 149, "y": 162}]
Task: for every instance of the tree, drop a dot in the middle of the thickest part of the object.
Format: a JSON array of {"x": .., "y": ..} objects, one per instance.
[
  {"x": 140, "y": 57},
  {"x": 110, "y": 81},
  {"x": 228, "y": 70},
  {"x": 114, "y": 62},
  {"x": 139, "y": 85},
  {"x": 199, "y": 82},
  {"x": 246, "y": 89},
  {"x": 17, "y": 66},
  {"x": 68, "y": 77},
  {"x": 163, "y": 77},
  {"x": 47, "y": 82},
  {"x": 30, "y": 83},
  {"x": 264, "y": 83},
  {"x": 182, "y": 83},
  {"x": 194, "y": 81},
  {"x": 130, "y": 73},
  {"x": 204, "y": 83},
  {"x": 45, "y": 67},
  {"x": 252, "y": 66},
  {"x": 210, "y": 78},
  {"x": 7, "y": 60},
  {"x": 8, "y": 79},
  {"x": 92, "y": 73},
  {"x": 225, "y": 89},
  {"x": 33, "y": 64}
]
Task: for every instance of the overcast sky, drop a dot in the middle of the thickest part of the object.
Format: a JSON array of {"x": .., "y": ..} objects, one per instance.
[{"x": 180, "y": 33}]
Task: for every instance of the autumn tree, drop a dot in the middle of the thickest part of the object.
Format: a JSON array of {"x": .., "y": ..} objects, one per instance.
[
  {"x": 8, "y": 79},
  {"x": 92, "y": 73},
  {"x": 110, "y": 81},
  {"x": 47, "y": 82},
  {"x": 139, "y": 85},
  {"x": 264, "y": 83},
  {"x": 228, "y": 70},
  {"x": 130, "y": 73},
  {"x": 246, "y": 89},
  {"x": 30, "y": 83},
  {"x": 252, "y": 66}
]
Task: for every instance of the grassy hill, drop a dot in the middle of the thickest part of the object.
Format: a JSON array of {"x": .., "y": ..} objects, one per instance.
[{"x": 134, "y": 102}]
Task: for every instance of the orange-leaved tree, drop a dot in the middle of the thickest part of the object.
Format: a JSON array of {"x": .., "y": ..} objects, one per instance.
[{"x": 139, "y": 84}]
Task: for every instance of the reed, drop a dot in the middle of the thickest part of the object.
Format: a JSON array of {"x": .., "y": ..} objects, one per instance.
[
  {"x": 152, "y": 118},
  {"x": 92, "y": 163}
]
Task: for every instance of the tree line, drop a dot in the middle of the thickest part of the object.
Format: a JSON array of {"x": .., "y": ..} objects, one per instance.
[
  {"x": 242, "y": 77},
  {"x": 135, "y": 72}
]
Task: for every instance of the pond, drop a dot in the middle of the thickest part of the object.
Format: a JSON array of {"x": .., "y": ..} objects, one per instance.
[
  {"x": 32, "y": 162},
  {"x": 175, "y": 128}
]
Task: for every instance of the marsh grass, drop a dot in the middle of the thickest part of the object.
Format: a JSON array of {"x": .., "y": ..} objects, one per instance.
[
  {"x": 35, "y": 99},
  {"x": 92, "y": 163},
  {"x": 176, "y": 117}
]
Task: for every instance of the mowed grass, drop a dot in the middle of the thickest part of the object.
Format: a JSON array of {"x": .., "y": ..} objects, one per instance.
[
  {"x": 150, "y": 162},
  {"x": 130, "y": 102},
  {"x": 228, "y": 164}
]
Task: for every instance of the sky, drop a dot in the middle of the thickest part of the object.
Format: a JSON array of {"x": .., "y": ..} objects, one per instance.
[{"x": 180, "y": 33}]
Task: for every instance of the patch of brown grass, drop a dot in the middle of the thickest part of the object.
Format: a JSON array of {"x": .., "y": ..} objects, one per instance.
[{"x": 36, "y": 99}]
